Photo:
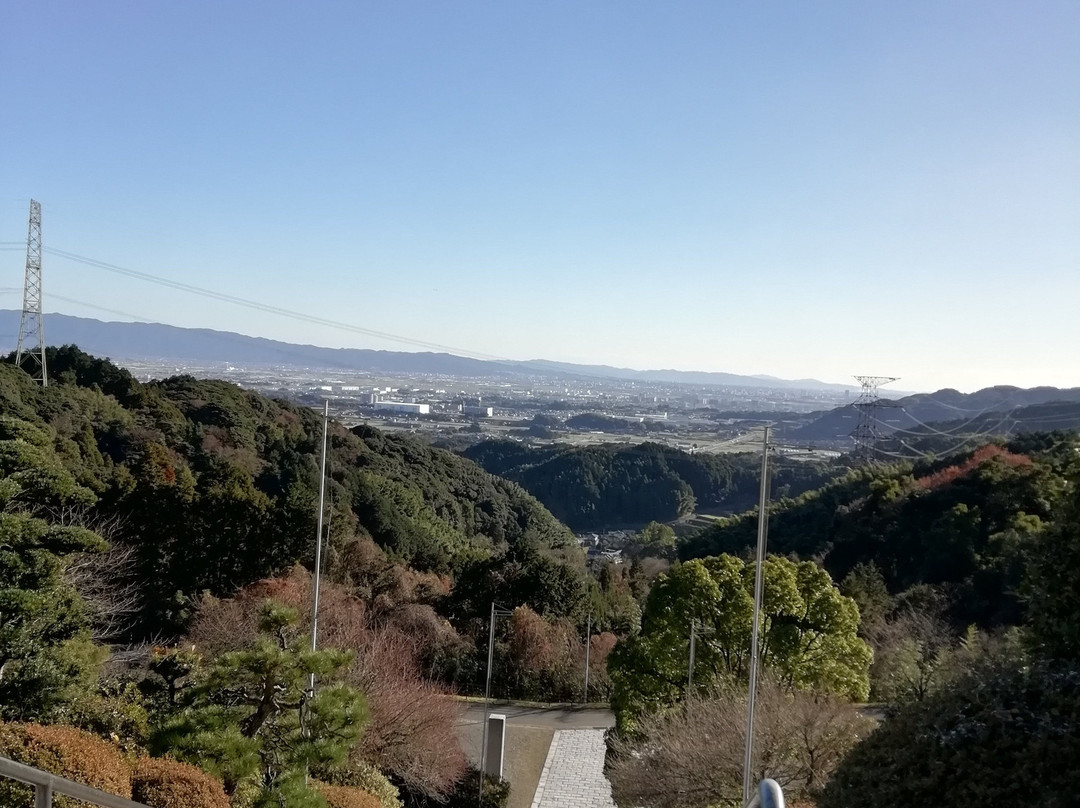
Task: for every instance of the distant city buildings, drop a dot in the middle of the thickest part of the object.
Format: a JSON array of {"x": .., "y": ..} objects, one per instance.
[{"x": 403, "y": 407}]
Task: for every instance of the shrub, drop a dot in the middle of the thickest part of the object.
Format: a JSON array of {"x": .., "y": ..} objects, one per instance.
[
  {"x": 346, "y": 796},
  {"x": 166, "y": 783},
  {"x": 63, "y": 751},
  {"x": 364, "y": 777},
  {"x": 683, "y": 758},
  {"x": 996, "y": 737},
  {"x": 466, "y": 793},
  {"x": 496, "y": 791}
]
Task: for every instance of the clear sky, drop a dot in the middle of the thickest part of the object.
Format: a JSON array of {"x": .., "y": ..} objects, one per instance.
[{"x": 802, "y": 189}]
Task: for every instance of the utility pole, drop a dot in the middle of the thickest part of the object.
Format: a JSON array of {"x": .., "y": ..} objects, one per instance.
[
  {"x": 763, "y": 521},
  {"x": 690, "y": 667},
  {"x": 318, "y": 541},
  {"x": 32, "y": 323},
  {"x": 588, "y": 647},
  {"x": 495, "y": 612}
]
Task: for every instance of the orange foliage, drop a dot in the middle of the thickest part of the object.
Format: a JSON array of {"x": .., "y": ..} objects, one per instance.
[
  {"x": 66, "y": 752},
  {"x": 165, "y": 783},
  {"x": 346, "y": 796},
  {"x": 949, "y": 474},
  {"x": 538, "y": 644}
]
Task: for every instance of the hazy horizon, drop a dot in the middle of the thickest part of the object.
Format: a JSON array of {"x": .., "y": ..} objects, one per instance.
[{"x": 791, "y": 190}]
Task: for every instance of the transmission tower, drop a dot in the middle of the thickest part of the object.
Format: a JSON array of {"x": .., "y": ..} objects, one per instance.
[
  {"x": 32, "y": 324},
  {"x": 867, "y": 433}
]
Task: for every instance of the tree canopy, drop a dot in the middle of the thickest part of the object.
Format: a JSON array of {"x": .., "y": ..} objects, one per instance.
[
  {"x": 807, "y": 639},
  {"x": 964, "y": 524},
  {"x": 215, "y": 487},
  {"x": 596, "y": 487}
]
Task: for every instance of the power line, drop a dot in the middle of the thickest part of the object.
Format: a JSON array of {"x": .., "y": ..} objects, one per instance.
[
  {"x": 100, "y": 308},
  {"x": 265, "y": 307},
  {"x": 938, "y": 431},
  {"x": 991, "y": 431}
]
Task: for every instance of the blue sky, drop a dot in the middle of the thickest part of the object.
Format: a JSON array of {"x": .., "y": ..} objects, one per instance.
[{"x": 797, "y": 189}]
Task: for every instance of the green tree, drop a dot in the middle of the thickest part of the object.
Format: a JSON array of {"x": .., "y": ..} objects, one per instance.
[
  {"x": 866, "y": 586},
  {"x": 808, "y": 634},
  {"x": 47, "y": 657},
  {"x": 657, "y": 539},
  {"x": 1052, "y": 585},
  {"x": 1002, "y": 735},
  {"x": 251, "y": 720}
]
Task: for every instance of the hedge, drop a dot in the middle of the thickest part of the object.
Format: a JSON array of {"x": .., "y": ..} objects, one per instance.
[
  {"x": 63, "y": 751},
  {"x": 166, "y": 783},
  {"x": 346, "y": 796}
]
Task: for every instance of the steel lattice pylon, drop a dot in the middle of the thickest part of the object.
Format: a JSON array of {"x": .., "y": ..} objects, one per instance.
[
  {"x": 867, "y": 433},
  {"x": 32, "y": 323}
]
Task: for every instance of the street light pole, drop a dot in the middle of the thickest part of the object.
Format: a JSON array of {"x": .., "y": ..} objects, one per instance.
[
  {"x": 763, "y": 521},
  {"x": 318, "y": 542},
  {"x": 588, "y": 645},
  {"x": 487, "y": 692},
  {"x": 690, "y": 667}
]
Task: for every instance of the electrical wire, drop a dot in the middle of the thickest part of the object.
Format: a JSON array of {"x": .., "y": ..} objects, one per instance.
[
  {"x": 992, "y": 431},
  {"x": 100, "y": 308},
  {"x": 265, "y": 307},
  {"x": 929, "y": 397},
  {"x": 938, "y": 431}
]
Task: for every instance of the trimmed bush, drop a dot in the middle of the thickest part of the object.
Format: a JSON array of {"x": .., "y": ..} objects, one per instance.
[
  {"x": 346, "y": 796},
  {"x": 63, "y": 751},
  {"x": 167, "y": 783},
  {"x": 365, "y": 777},
  {"x": 467, "y": 792}
]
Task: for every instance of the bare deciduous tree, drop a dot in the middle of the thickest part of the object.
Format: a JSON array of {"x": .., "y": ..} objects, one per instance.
[
  {"x": 411, "y": 732},
  {"x": 692, "y": 755},
  {"x": 105, "y": 581}
]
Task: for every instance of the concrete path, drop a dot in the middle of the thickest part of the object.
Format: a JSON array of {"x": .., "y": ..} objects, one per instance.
[
  {"x": 573, "y": 775},
  {"x": 529, "y": 747}
]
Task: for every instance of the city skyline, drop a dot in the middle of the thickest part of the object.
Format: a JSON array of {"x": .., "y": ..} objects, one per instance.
[{"x": 783, "y": 190}]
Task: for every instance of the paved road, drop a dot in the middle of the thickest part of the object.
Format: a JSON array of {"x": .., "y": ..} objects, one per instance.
[
  {"x": 552, "y": 718},
  {"x": 529, "y": 731}
]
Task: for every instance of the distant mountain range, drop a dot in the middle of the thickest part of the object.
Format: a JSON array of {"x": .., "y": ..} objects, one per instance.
[
  {"x": 696, "y": 377},
  {"x": 990, "y": 410},
  {"x": 157, "y": 342}
]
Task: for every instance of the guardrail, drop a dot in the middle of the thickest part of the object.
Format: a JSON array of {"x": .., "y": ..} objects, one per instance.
[
  {"x": 45, "y": 785},
  {"x": 769, "y": 795}
]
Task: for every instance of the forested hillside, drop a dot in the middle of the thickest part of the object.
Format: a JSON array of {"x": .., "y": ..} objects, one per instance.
[
  {"x": 596, "y": 487},
  {"x": 214, "y": 487},
  {"x": 960, "y": 524},
  {"x": 153, "y": 545}
]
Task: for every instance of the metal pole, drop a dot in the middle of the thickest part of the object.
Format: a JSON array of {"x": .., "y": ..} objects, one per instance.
[
  {"x": 763, "y": 506},
  {"x": 588, "y": 644},
  {"x": 318, "y": 542},
  {"x": 487, "y": 701},
  {"x": 690, "y": 667},
  {"x": 43, "y": 794}
]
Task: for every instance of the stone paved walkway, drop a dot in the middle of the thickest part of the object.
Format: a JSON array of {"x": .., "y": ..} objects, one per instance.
[{"x": 573, "y": 775}]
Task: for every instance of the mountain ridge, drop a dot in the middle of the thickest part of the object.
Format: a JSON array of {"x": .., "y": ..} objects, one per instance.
[{"x": 162, "y": 342}]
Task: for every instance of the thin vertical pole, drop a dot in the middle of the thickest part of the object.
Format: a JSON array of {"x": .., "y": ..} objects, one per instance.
[
  {"x": 588, "y": 647},
  {"x": 690, "y": 667},
  {"x": 43, "y": 794},
  {"x": 763, "y": 517},
  {"x": 487, "y": 700},
  {"x": 318, "y": 541}
]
